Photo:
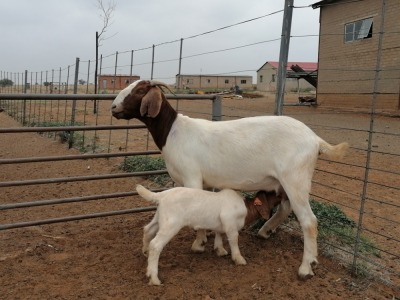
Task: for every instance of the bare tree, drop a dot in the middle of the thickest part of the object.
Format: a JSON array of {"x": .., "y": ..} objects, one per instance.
[{"x": 106, "y": 14}]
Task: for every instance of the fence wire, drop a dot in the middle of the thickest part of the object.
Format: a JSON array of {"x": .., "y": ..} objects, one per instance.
[{"x": 365, "y": 186}]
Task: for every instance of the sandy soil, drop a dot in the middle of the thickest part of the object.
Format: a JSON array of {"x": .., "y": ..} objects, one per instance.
[{"x": 101, "y": 258}]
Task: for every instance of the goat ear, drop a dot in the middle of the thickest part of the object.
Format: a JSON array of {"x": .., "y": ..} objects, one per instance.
[
  {"x": 151, "y": 103},
  {"x": 263, "y": 209}
]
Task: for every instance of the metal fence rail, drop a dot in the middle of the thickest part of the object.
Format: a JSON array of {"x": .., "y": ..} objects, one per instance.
[{"x": 11, "y": 103}]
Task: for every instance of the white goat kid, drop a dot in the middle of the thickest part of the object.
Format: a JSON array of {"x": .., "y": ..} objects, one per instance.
[
  {"x": 249, "y": 154},
  {"x": 222, "y": 212}
]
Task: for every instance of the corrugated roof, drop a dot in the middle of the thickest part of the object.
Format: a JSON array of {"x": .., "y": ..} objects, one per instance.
[{"x": 306, "y": 66}]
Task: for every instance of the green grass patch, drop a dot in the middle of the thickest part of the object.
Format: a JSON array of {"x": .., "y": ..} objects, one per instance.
[
  {"x": 79, "y": 141},
  {"x": 142, "y": 163},
  {"x": 335, "y": 226},
  {"x": 54, "y": 123}
]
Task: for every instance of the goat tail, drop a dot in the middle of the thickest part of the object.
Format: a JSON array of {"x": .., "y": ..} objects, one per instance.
[
  {"x": 146, "y": 194},
  {"x": 333, "y": 151}
]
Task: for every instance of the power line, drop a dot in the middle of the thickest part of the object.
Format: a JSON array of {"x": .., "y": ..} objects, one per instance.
[{"x": 206, "y": 32}]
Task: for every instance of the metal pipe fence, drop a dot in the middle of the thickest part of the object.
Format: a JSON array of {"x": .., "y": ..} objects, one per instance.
[
  {"x": 11, "y": 103},
  {"x": 365, "y": 186}
]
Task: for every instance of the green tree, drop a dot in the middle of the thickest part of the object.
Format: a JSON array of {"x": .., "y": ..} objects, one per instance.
[{"x": 6, "y": 82}]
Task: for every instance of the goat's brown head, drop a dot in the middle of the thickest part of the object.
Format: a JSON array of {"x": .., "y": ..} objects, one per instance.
[
  {"x": 142, "y": 98},
  {"x": 262, "y": 204}
]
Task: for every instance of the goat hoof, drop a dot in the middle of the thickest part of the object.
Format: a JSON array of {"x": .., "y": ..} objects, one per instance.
[
  {"x": 305, "y": 277},
  {"x": 240, "y": 261},
  {"x": 153, "y": 278},
  {"x": 221, "y": 252},
  {"x": 154, "y": 281},
  {"x": 198, "y": 249},
  {"x": 306, "y": 273},
  {"x": 264, "y": 235}
]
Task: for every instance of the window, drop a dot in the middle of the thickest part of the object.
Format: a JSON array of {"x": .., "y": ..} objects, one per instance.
[
  {"x": 226, "y": 81},
  {"x": 273, "y": 78},
  {"x": 261, "y": 78},
  {"x": 358, "y": 30},
  {"x": 127, "y": 81},
  {"x": 208, "y": 81},
  {"x": 243, "y": 81}
]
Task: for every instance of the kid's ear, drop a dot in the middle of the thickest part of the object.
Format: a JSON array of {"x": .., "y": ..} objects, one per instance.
[{"x": 262, "y": 209}]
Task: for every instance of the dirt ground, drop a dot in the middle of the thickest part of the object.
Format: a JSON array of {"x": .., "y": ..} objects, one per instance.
[{"x": 101, "y": 258}]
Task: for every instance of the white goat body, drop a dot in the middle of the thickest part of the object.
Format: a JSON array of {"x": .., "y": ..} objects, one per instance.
[
  {"x": 256, "y": 153},
  {"x": 245, "y": 154},
  {"x": 222, "y": 212}
]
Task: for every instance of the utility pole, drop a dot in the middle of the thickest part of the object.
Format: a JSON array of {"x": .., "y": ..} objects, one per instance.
[{"x": 283, "y": 56}]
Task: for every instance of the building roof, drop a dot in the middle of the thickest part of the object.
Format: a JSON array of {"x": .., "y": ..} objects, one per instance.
[
  {"x": 306, "y": 66},
  {"x": 322, "y": 3},
  {"x": 118, "y": 75},
  {"x": 209, "y": 75}
]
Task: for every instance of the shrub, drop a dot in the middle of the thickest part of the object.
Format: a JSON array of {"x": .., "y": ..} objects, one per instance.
[
  {"x": 335, "y": 226},
  {"x": 6, "y": 82},
  {"x": 78, "y": 139},
  {"x": 142, "y": 163}
]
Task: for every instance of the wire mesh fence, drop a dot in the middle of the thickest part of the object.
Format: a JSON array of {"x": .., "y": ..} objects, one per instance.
[
  {"x": 338, "y": 183},
  {"x": 364, "y": 186}
]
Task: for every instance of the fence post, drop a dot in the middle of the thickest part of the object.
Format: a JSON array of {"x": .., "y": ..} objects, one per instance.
[
  {"x": 87, "y": 79},
  {"x": 152, "y": 63},
  {"x": 370, "y": 136},
  {"x": 95, "y": 70},
  {"x": 71, "y": 139},
  {"x": 24, "y": 102},
  {"x": 59, "y": 81},
  {"x": 179, "y": 83},
  {"x": 283, "y": 56},
  {"x": 115, "y": 71},
  {"x": 216, "y": 108}
]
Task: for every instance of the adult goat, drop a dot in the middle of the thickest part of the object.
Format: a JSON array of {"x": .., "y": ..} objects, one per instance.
[{"x": 249, "y": 154}]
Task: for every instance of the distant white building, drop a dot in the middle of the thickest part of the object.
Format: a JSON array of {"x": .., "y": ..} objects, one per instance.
[
  {"x": 267, "y": 76},
  {"x": 206, "y": 82}
]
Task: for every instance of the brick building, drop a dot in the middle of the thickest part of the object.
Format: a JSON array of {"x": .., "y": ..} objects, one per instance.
[
  {"x": 348, "y": 53},
  {"x": 115, "y": 82}
]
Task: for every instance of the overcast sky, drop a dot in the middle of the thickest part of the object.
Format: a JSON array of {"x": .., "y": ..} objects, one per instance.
[{"x": 43, "y": 35}]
